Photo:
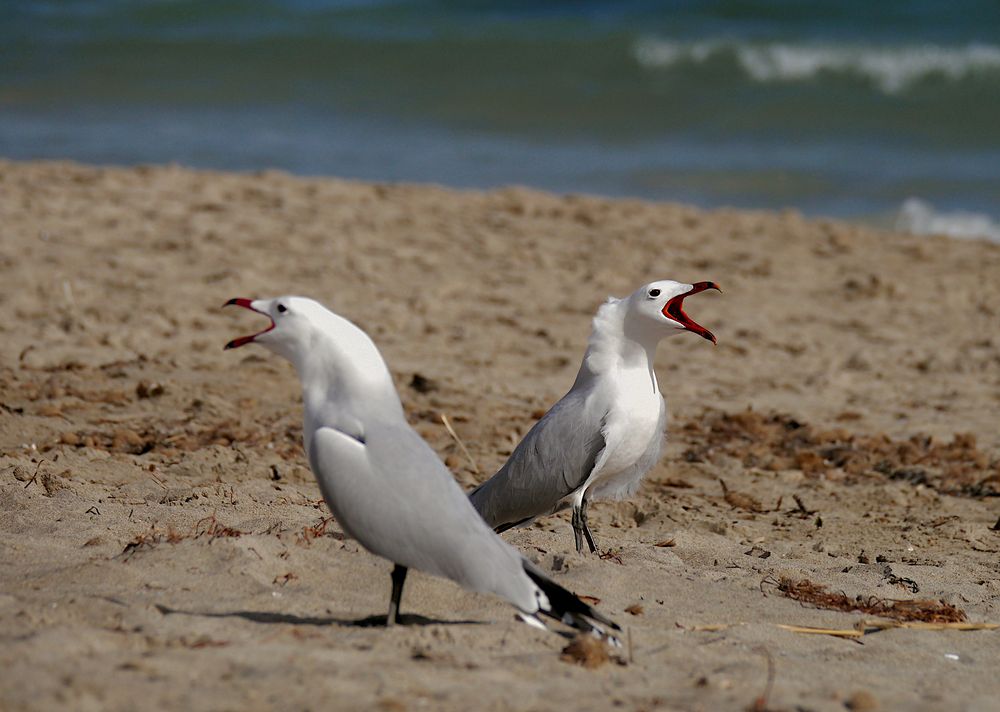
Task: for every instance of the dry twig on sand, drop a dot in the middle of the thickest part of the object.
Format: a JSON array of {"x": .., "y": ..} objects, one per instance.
[
  {"x": 864, "y": 627},
  {"x": 760, "y": 704},
  {"x": 739, "y": 500},
  {"x": 451, "y": 431}
]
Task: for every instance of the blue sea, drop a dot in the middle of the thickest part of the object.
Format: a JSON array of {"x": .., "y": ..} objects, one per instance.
[{"x": 879, "y": 111}]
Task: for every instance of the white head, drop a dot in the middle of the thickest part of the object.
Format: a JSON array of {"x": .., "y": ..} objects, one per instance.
[
  {"x": 322, "y": 346},
  {"x": 657, "y": 309},
  {"x": 296, "y": 323}
]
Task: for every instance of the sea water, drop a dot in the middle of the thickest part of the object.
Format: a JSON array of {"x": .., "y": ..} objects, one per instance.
[{"x": 856, "y": 109}]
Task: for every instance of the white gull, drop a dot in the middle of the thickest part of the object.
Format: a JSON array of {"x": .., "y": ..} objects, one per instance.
[
  {"x": 384, "y": 484},
  {"x": 602, "y": 436}
]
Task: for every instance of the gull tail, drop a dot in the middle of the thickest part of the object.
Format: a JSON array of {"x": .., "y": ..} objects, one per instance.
[{"x": 567, "y": 607}]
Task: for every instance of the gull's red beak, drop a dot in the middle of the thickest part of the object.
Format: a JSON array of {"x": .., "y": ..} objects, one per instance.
[
  {"x": 674, "y": 309},
  {"x": 243, "y": 340}
]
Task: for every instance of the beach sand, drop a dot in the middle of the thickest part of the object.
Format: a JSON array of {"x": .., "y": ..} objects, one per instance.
[{"x": 163, "y": 544}]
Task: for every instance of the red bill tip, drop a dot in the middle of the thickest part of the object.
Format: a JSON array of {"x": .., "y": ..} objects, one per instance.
[
  {"x": 243, "y": 340},
  {"x": 674, "y": 309}
]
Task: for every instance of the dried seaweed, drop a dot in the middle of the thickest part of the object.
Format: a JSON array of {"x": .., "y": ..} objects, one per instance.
[
  {"x": 211, "y": 528},
  {"x": 816, "y": 595},
  {"x": 612, "y": 555},
  {"x": 207, "y": 527},
  {"x": 775, "y": 441},
  {"x": 315, "y": 531},
  {"x": 186, "y": 436},
  {"x": 587, "y": 650}
]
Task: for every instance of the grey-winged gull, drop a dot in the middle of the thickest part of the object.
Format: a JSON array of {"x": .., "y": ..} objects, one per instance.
[
  {"x": 602, "y": 436},
  {"x": 384, "y": 484}
]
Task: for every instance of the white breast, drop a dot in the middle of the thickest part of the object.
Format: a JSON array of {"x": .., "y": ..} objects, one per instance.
[{"x": 633, "y": 433}]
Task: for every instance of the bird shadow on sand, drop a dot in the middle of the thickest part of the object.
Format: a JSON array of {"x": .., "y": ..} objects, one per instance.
[{"x": 405, "y": 619}]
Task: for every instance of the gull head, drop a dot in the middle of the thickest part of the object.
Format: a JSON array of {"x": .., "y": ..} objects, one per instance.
[
  {"x": 295, "y": 324},
  {"x": 335, "y": 359},
  {"x": 659, "y": 307}
]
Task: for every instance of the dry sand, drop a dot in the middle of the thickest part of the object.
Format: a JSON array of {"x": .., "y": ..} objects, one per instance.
[{"x": 133, "y": 449}]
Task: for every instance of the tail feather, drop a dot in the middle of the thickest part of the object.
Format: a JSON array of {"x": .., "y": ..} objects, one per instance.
[{"x": 567, "y": 607}]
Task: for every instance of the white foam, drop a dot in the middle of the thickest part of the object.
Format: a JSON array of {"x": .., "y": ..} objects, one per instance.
[
  {"x": 920, "y": 218},
  {"x": 892, "y": 69}
]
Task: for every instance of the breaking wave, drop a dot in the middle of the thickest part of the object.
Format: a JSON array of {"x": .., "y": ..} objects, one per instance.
[
  {"x": 920, "y": 218},
  {"x": 891, "y": 69}
]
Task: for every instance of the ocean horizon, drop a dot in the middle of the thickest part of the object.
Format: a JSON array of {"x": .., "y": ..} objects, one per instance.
[{"x": 885, "y": 114}]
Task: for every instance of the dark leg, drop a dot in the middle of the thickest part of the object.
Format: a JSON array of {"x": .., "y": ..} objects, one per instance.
[
  {"x": 577, "y": 529},
  {"x": 586, "y": 526},
  {"x": 398, "y": 577}
]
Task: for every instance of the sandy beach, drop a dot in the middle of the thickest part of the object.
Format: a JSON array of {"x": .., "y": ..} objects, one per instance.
[{"x": 163, "y": 544}]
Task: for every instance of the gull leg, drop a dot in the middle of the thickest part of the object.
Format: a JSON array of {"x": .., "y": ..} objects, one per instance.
[
  {"x": 577, "y": 528},
  {"x": 398, "y": 577},
  {"x": 586, "y": 527}
]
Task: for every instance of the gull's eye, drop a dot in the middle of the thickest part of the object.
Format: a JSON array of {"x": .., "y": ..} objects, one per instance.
[
  {"x": 282, "y": 308},
  {"x": 654, "y": 293}
]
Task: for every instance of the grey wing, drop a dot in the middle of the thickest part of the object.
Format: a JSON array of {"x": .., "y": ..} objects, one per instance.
[
  {"x": 394, "y": 495},
  {"x": 553, "y": 460}
]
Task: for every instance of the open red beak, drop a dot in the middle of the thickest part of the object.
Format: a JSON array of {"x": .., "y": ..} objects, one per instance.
[
  {"x": 674, "y": 309},
  {"x": 243, "y": 340}
]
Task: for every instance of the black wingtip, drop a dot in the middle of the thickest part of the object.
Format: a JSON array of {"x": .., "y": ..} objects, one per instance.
[{"x": 565, "y": 605}]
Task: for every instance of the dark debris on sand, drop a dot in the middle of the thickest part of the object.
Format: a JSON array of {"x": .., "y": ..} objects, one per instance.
[
  {"x": 776, "y": 441},
  {"x": 813, "y": 594}
]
